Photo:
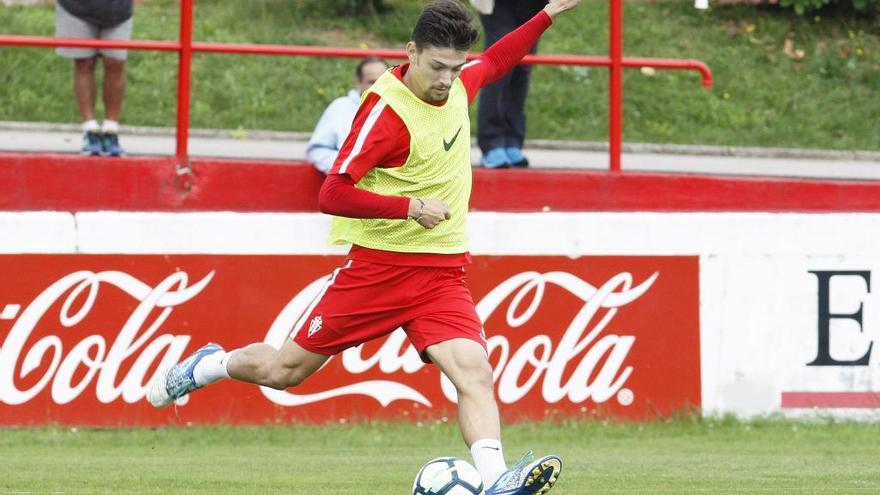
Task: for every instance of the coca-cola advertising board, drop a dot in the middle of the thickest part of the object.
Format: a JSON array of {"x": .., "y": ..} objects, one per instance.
[{"x": 83, "y": 336}]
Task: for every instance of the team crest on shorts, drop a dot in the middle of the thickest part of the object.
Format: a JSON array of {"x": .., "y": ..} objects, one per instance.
[{"x": 315, "y": 325}]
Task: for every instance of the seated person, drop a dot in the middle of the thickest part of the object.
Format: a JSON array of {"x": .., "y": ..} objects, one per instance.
[{"x": 335, "y": 122}]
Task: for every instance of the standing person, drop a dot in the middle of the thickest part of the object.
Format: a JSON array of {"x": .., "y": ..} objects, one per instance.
[
  {"x": 502, "y": 108},
  {"x": 335, "y": 122},
  {"x": 98, "y": 19},
  {"x": 400, "y": 189}
]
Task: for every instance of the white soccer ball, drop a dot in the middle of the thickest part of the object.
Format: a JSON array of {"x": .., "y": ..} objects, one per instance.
[{"x": 448, "y": 476}]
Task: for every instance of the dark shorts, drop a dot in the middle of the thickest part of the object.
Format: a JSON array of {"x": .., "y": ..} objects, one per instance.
[{"x": 363, "y": 301}]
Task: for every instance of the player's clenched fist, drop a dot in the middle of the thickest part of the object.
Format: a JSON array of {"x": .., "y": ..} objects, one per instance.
[{"x": 428, "y": 212}]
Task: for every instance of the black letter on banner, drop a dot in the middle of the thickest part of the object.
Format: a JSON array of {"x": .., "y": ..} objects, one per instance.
[{"x": 823, "y": 358}]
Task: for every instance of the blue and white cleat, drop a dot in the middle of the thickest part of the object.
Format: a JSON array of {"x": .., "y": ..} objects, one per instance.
[
  {"x": 528, "y": 476},
  {"x": 175, "y": 382}
]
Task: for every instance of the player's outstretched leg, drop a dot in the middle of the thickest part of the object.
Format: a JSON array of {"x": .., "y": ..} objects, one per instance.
[
  {"x": 175, "y": 382},
  {"x": 529, "y": 476}
]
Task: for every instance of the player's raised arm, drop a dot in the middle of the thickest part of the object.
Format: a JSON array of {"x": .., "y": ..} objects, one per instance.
[{"x": 507, "y": 52}]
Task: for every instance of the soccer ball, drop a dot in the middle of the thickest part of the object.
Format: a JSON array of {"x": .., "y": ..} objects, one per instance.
[{"x": 448, "y": 476}]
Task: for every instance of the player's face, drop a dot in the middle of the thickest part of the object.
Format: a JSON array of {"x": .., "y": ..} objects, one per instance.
[
  {"x": 370, "y": 72},
  {"x": 432, "y": 71}
]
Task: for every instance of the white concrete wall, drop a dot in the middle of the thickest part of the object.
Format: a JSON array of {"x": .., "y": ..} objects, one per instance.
[{"x": 759, "y": 303}]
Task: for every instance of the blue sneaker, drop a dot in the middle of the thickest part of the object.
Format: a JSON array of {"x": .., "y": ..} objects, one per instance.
[
  {"x": 91, "y": 144},
  {"x": 110, "y": 145},
  {"x": 517, "y": 159},
  {"x": 528, "y": 477},
  {"x": 175, "y": 382},
  {"x": 495, "y": 158}
]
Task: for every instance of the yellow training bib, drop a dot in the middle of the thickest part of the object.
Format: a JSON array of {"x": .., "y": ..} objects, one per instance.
[{"x": 438, "y": 166}]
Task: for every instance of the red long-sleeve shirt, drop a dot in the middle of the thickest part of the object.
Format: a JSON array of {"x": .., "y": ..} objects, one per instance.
[{"x": 379, "y": 138}]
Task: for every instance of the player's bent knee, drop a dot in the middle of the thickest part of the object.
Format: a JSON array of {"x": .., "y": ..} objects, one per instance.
[
  {"x": 477, "y": 380},
  {"x": 483, "y": 381}
]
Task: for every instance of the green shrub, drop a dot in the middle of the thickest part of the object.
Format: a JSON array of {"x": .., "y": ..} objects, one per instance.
[{"x": 805, "y": 6}]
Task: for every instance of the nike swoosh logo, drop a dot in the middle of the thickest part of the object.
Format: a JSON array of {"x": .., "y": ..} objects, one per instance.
[
  {"x": 448, "y": 145},
  {"x": 493, "y": 448}
]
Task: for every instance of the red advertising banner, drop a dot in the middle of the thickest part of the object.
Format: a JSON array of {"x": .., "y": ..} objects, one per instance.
[{"x": 83, "y": 336}]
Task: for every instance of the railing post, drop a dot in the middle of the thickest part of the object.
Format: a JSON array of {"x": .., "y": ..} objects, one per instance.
[
  {"x": 184, "y": 69},
  {"x": 615, "y": 85}
]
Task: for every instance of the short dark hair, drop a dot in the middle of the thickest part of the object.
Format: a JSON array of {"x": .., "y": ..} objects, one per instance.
[
  {"x": 445, "y": 24},
  {"x": 359, "y": 70}
]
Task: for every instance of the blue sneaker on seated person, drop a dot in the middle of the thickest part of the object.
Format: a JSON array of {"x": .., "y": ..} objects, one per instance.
[
  {"x": 528, "y": 477},
  {"x": 517, "y": 159},
  {"x": 495, "y": 158}
]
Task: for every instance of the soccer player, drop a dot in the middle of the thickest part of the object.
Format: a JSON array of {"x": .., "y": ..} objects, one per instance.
[{"x": 399, "y": 190}]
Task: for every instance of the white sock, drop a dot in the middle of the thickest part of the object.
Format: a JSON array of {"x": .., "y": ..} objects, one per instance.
[
  {"x": 211, "y": 368},
  {"x": 110, "y": 127},
  {"x": 91, "y": 126},
  {"x": 489, "y": 460}
]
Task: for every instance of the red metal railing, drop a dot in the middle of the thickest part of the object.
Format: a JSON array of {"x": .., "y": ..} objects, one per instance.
[{"x": 616, "y": 62}]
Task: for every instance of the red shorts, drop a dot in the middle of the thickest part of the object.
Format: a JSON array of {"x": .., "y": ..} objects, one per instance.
[{"x": 362, "y": 301}]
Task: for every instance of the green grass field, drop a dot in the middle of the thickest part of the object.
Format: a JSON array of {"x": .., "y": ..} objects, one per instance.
[
  {"x": 677, "y": 457},
  {"x": 780, "y": 79}
]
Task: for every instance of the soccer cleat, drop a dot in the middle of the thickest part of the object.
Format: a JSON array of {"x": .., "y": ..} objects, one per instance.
[
  {"x": 175, "y": 382},
  {"x": 91, "y": 144},
  {"x": 110, "y": 145},
  {"x": 528, "y": 477},
  {"x": 495, "y": 158},
  {"x": 517, "y": 159}
]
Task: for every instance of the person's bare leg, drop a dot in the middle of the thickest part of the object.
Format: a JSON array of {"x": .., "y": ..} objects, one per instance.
[
  {"x": 257, "y": 363},
  {"x": 466, "y": 364},
  {"x": 265, "y": 365},
  {"x": 114, "y": 88},
  {"x": 84, "y": 87}
]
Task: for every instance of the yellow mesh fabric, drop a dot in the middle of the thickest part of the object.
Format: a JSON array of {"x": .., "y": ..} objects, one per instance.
[{"x": 431, "y": 171}]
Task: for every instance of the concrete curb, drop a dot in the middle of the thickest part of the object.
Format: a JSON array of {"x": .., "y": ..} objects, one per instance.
[
  {"x": 707, "y": 150},
  {"x": 547, "y": 144},
  {"x": 241, "y": 134}
]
